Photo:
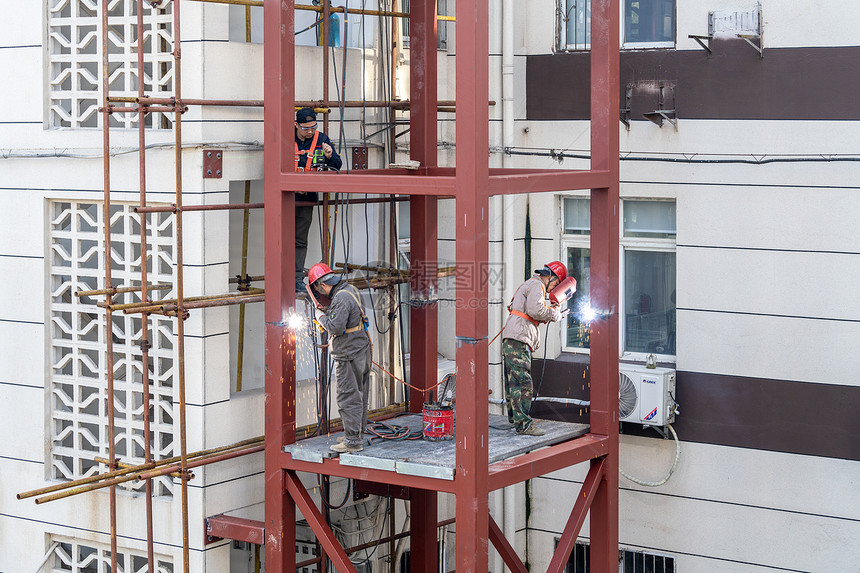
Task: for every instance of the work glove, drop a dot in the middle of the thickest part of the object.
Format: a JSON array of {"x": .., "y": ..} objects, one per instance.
[{"x": 318, "y": 314}]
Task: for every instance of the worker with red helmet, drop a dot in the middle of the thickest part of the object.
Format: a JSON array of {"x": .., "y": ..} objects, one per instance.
[
  {"x": 346, "y": 323},
  {"x": 520, "y": 337}
]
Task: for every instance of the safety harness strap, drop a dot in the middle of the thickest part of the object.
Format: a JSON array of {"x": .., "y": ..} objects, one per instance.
[{"x": 308, "y": 152}]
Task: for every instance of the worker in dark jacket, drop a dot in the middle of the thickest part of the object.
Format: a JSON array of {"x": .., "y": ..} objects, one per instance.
[
  {"x": 521, "y": 337},
  {"x": 345, "y": 322},
  {"x": 314, "y": 152}
]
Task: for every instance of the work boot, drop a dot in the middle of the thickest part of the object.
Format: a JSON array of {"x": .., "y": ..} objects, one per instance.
[
  {"x": 344, "y": 448},
  {"x": 531, "y": 430},
  {"x": 342, "y": 439}
]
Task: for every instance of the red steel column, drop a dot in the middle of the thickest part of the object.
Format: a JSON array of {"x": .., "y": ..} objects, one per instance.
[
  {"x": 605, "y": 90},
  {"x": 423, "y": 236},
  {"x": 279, "y": 74},
  {"x": 471, "y": 190}
]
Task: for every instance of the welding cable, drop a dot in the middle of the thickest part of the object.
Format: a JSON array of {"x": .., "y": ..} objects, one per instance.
[
  {"x": 543, "y": 366},
  {"x": 311, "y": 27},
  {"x": 345, "y": 496},
  {"x": 378, "y": 539},
  {"x": 405, "y": 383},
  {"x": 671, "y": 471},
  {"x": 391, "y": 432}
]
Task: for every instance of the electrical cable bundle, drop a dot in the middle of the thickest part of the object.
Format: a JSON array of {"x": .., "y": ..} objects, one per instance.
[{"x": 391, "y": 432}]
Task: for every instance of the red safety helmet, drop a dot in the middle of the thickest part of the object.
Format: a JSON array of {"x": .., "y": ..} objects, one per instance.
[
  {"x": 557, "y": 269},
  {"x": 318, "y": 271}
]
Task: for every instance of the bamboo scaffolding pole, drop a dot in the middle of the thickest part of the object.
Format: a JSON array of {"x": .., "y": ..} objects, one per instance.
[
  {"x": 218, "y": 207},
  {"x": 152, "y": 473},
  {"x": 145, "y": 304},
  {"x": 108, "y": 284},
  {"x": 320, "y": 106},
  {"x": 132, "y": 468},
  {"x": 338, "y": 9},
  {"x": 146, "y": 109},
  {"x": 144, "y": 294},
  {"x": 122, "y": 290},
  {"x": 180, "y": 287},
  {"x": 302, "y": 432},
  {"x": 174, "y": 309}
]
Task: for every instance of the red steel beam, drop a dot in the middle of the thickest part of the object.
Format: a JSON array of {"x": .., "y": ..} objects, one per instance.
[
  {"x": 547, "y": 180},
  {"x": 472, "y": 220},
  {"x": 280, "y": 371},
  {"x": 227, "y": 527},
  {"x": 544, "y": 461},
  {"x": 605, "y": 89},
  {"x": 423, "y": 236},
  {"x": 333, "y": 467},
  {"x": 577, "y": 516},
  {"x": 317, "y": 522},
  {"x": 372, "y": 184},
  {"x": 509, "y": 556}
]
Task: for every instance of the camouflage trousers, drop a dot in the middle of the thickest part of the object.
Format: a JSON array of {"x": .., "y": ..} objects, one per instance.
[{"x": 518, "y": 382}]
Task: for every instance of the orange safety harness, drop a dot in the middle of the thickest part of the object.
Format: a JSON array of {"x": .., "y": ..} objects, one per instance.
[
  {"x": 308, "y": 152},
  {"x": 522, "y": 314}
]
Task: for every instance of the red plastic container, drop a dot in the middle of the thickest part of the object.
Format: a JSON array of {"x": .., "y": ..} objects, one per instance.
[{"x": 438, "y": 422}]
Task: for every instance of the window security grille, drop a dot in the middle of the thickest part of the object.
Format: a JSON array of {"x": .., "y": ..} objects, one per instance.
[
  {"x": 75, "y": 59},
  {"x": 629, "y": 561},
  {"x": 75, "y": 556},
  {"x": 78, "y": 401}
]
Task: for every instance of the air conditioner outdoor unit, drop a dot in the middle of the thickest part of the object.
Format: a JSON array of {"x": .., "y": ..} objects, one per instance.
[{"x": 645, "y": 395}]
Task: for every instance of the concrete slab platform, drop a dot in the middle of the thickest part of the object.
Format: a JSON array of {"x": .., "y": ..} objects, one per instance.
[{"x": 434, "y": 459}]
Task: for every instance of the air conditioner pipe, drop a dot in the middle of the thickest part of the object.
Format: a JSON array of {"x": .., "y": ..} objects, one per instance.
[{"x": 570, "y": 401}]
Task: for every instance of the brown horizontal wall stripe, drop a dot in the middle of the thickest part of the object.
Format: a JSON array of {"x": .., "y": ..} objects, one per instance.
[
  {"x": 819, "y": 83},
  {"x": 759, "y": 413}
]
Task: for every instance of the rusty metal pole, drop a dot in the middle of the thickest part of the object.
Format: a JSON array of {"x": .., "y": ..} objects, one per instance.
[
  {"x": 424, "y": 275},
  {"x": 144, "y": 318},
  {"x": 280, "y": 234},
  {"x": 180, "y": 288},
  {"x": 605, "y": 93},
  {"x": 243, "y": 272},
  {"x": 111, "y": 431},
  {"x": 472, "y": 183}
]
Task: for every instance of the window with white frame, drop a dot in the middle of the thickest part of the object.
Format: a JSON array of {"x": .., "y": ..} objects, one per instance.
[
  {"x": 647, "y": 275},
  {"x": 645, "y": 24},
  {"x": 75, "y": 60},
  {"x": 77, "y": 414},
  {"x": 70, "y": 555},
  {"x": 441, "y": 25},
  {"x": 648, "y": 23}
]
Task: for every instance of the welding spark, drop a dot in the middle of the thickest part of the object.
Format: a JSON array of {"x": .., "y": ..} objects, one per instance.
[
  {"x": 295, "y": 321},
  {"x": 587, "y": 314}
]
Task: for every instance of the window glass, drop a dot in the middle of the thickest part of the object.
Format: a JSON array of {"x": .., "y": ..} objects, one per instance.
[
  {"x": 578, "y": 267},
  {"x": 649, "y": 21},
  {"x": 577, "y": 24},
  {"x": 649, "y": 301},
  {"x": 651, "y": 219},
  {"x": 577, "y": 216}
]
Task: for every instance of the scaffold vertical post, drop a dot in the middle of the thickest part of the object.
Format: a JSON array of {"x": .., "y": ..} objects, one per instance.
[
  {"x": 472, "y": 215},
  {"x": 280, "y": 370},
  {"x": 605, "y": 96}
]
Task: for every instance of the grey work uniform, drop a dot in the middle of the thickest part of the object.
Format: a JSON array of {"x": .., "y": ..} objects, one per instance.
[{"x": 351, "y": 353}]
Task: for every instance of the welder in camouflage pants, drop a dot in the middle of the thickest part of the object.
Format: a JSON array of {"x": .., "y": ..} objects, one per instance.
[
  {"x": 521, "y": 337},
  {"x": 518, "y": 382}
]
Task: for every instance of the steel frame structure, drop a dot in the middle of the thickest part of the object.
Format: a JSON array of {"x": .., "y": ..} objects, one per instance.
[{"x": 471, "y": 183}]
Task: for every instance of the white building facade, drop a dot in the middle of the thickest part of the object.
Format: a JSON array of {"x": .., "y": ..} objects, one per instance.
[{"x": 739, "y": 242}]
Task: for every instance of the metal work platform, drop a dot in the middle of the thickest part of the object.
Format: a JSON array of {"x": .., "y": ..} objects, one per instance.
[{"x": 433, "y": 459}]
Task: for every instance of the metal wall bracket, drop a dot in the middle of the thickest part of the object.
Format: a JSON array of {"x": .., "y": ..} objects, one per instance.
[
  {"x": 658, "y": 115},
  {"x": 212, "y": 161},
  {"x": 749, "y": 40},
  {"x": 701, "y": 41},
  {"x": 625, "y": 111}
]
